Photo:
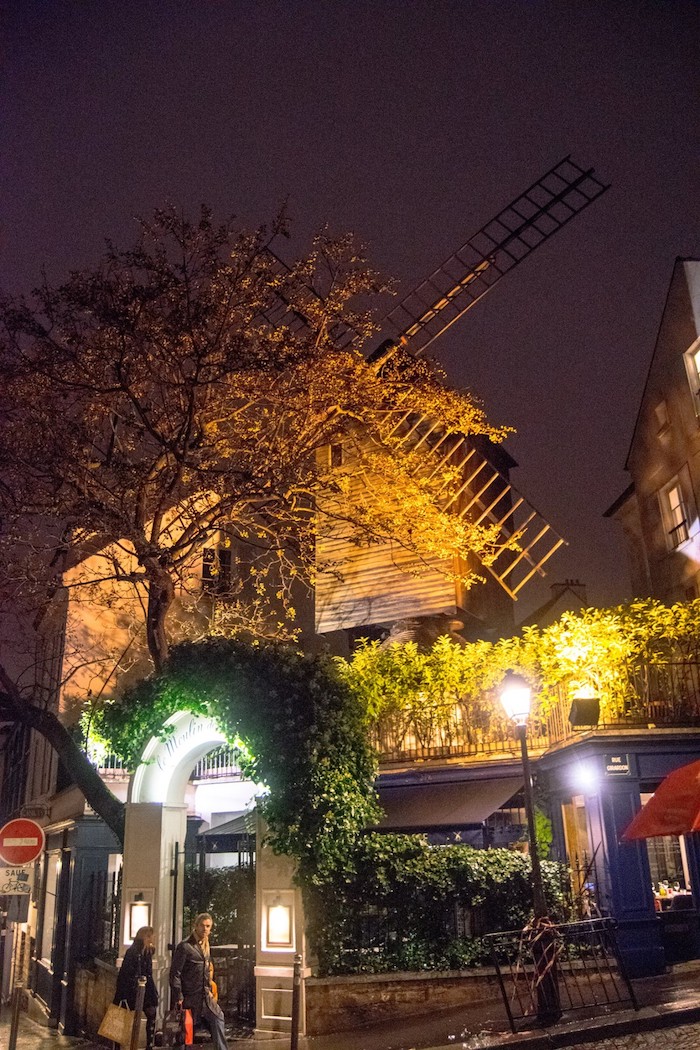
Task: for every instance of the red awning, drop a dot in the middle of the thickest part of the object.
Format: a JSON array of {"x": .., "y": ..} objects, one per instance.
[{"x": 673, "y": 809}]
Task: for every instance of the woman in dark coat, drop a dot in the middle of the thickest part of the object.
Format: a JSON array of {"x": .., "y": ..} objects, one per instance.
[{"x": 138, "y": 962}]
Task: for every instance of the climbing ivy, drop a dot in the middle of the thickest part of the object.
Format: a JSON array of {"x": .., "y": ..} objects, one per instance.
[
  {"x": 396, "y": 904},
  {"x": 302, "y": 723},
  {"x": 298, "y": 728}
]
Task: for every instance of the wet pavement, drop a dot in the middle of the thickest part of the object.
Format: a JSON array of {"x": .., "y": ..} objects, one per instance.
[{"x": 669, "y": 1017}]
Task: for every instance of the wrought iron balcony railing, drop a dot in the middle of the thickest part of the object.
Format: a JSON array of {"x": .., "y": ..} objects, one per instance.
[{"x": 659, "y": 695}]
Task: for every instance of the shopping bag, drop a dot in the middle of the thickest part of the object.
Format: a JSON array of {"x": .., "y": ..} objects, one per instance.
[
  {"x": 117, "y": 1024},
  {"x": 189, "y": 1028},
  {"x": 174, "y": 1028}
]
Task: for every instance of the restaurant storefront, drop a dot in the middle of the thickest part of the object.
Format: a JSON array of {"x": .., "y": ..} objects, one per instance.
[{"x": 596, "y": 787}]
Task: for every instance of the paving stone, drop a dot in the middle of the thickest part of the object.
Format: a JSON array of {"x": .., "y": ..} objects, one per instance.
[{"x": 686, "y": 1037}]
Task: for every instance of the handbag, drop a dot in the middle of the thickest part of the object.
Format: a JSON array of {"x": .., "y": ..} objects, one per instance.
[
  {"x": 117, "y": 1024},
  {"x": 174, "y": 1028}
]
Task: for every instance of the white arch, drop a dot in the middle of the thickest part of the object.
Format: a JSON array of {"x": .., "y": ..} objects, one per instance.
[
  {"x": 166, "y": 765},
  {"x": 156, "y": 824}
]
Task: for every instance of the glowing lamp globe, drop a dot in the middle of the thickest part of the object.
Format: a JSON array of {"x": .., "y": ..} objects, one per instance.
[{"x": 516, "y": 694}]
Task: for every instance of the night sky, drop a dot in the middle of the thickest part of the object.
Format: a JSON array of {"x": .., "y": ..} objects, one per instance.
[{"x": 409, "y": 123}]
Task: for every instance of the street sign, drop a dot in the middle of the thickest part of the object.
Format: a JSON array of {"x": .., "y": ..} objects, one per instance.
[
  {"x": 617, "y": 765},
  {"x": 21, "y": 842},
  {"x": 15, "y": 881}
]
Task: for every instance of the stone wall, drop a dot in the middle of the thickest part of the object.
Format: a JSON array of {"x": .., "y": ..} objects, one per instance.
[
  {"x": 94, "y": 991},
  {"x": 337, "y": 1004}
]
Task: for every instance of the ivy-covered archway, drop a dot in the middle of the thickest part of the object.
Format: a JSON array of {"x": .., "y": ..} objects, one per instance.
[{"x": 298, "y": 727}]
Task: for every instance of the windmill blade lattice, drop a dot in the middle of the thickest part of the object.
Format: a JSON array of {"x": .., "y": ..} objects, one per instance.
[
  {"x": 526, "y": 540},
  {"x": 499, "y": 246}
]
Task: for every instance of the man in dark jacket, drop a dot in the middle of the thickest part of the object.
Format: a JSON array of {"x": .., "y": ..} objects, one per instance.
[{"x": 190, "y": 980}]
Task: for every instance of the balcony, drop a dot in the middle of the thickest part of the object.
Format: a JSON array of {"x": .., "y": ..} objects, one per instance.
[{"x": 648, "y": 696}]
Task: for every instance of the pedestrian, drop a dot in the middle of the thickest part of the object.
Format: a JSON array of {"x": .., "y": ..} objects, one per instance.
[
  {"x": 190, "y": 980},
  {"x": 138, "y": 962}
]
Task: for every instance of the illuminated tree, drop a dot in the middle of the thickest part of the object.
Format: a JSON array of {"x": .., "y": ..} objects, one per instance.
[{"x": 179, "y": 395}]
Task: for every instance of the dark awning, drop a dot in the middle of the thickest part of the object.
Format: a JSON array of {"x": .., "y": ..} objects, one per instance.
[
  {"x": 452, "y": 804},
  {"x": 231, "y": 836}
]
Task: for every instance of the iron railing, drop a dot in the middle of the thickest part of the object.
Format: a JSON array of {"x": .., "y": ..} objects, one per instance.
[
  {"x": 222, "y": 762},
  {"x": 647, "y": 695},
  {"x": 559, "y": 970},
  {"x": 234, "y": 973},
  {"x": 99, "y": 928},
  {"x": 109, "y": 766}
]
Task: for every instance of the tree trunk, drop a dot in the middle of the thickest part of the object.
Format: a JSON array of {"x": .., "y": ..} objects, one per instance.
[
  {"x": 82, "y": 773},
  {"x": 161, "y": 591}
]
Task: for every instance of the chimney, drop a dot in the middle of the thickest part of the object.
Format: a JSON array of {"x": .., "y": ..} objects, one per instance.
[{"x": 575, "y": 586}]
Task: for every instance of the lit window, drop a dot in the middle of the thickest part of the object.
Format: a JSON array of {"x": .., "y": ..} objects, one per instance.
[
  {"x": 677, "y": 518},
  {"x": 692, "y": 367}
]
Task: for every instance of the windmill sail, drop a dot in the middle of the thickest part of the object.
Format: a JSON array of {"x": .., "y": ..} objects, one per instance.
[
  {"x": 498, "y": 247},
  {"x": 526, "y": 540}
]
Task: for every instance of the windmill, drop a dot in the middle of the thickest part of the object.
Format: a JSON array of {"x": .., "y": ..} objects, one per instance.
[{"x": 526, "y": 540}]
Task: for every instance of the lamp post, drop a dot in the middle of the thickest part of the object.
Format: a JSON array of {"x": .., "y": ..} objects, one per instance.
[{"x": 516, "y": 696}]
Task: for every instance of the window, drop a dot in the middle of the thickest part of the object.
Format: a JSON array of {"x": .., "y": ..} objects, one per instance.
[
  {"x": 692, "y": 367},
  {"x": 668, "y": 862},
  {"x": 48, "y": 926},
  {"x": 662, "y": 420},
  {"x": 216, "y": 570},
  {"x": 676, "y": 516}
]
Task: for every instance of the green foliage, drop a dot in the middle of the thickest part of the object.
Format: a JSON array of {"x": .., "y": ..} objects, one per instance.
[
  {"x": 599, "y": 651},
  {"x": 302, "y": 723},
  {"x": 543, "y": 833},
  {"x": 298, "y": 728},
  {"x": 229, "y": 895},
  {"x": 397, "y": 898}
]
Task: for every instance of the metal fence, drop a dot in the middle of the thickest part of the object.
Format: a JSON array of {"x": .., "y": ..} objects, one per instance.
[
  {"x": 219, "y": 763},
  {"x": 660, "y": 694},
  {"x": 98, "y": 930},
  {"x": 547, "y": 971},
  {"x": 234, "y": 973}
]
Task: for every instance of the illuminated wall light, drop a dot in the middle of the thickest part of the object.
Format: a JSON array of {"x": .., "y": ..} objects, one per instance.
[
  {"x": 278, "y": 934},
  {"x": 585, "y": 778},
  {"x": 279, "y": 926},
  {"x": 139, "y": 915}
]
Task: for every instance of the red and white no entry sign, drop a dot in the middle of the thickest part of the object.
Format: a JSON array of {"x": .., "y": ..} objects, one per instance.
[{"x": 21, "y": 841}]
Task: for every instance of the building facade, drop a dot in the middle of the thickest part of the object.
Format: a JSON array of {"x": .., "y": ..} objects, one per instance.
[{"x": 658, "y": 511}]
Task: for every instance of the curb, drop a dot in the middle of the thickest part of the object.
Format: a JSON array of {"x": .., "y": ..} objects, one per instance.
[{"x": 647, "y": 1019}]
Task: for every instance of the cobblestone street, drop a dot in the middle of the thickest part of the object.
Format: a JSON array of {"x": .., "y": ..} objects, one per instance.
[{"x": 687, "y": 1037}]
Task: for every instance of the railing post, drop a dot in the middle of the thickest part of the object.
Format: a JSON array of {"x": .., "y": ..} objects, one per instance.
[
  {"x": 138, "y": 1011},
  {"x": 14, "y": 1021},
  {"x": 296, "y": 1003}
]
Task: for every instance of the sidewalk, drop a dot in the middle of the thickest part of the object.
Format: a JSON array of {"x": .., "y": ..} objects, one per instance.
[{"x": 669, "y": 1010}]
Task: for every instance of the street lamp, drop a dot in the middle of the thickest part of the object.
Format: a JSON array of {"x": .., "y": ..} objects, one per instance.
[{"x": 516, "y": 696}]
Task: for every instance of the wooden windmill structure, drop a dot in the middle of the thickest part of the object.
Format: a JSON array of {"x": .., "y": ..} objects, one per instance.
[{"x": 378, "y": 585}]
